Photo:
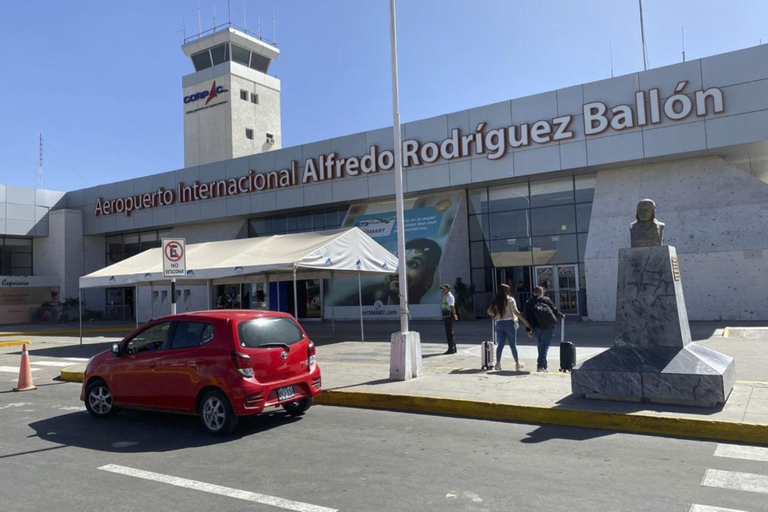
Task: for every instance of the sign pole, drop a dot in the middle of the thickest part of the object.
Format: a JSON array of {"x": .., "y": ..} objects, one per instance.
[
  {"x": 173, "y": 295},
  {"x": 174, "y": 264}
]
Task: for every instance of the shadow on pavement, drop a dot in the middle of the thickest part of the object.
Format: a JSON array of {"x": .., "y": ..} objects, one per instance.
[
  {"x": 144, "y": 431},
  {"x": 550, "y": 432},
  {"x": 574, "y": 401},
  {"x": 86, "y": 350}
]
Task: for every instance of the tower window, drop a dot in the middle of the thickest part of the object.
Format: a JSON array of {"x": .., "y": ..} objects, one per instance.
[
  {"x": 254, "y": 98},
  {"x": 243, "y": 94},
  {"x": 270, "y": 138},
  {"x": 249, "y": 133},
  {"x": 201, "y": 60}
]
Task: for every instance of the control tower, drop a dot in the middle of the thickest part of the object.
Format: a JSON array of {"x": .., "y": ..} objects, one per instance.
[{"x": 231, "y": 105}]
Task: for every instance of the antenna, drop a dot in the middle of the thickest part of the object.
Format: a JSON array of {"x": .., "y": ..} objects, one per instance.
[
  {"x": 214, "y": 16},
  {"x": 682, "y": 30},
  {"x": 610, "y": 49},
  {"x": 40, "y": 164},
  {"x": 183, "y": 28},
  {"x": 245, "y": 17},
  {"x": 642, "y": 36},
  {"x": 258, "y": 20},
  {"x": 199, "y": 20},
  {"x": 274, "y": 24},
  {"x": 229, "y": 11}
]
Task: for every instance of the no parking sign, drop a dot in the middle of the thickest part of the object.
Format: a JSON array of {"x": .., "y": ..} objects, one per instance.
[{"x": 174, "y": 257}]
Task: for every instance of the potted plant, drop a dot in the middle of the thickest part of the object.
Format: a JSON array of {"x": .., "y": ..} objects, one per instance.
[{"x": 464, "y": 306}]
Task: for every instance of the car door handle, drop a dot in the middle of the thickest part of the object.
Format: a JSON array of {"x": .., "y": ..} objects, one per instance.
[{"x": 198, "y": 362}]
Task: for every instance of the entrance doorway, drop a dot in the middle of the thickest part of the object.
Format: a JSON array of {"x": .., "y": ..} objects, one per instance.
[{"x": 561, "y": 283}]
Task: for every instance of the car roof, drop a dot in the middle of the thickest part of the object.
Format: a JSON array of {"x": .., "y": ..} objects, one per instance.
[{"x": 237, "y": 315}]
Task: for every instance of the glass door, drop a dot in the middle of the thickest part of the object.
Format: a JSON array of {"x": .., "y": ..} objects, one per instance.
[{"x": 561, "y": 284}]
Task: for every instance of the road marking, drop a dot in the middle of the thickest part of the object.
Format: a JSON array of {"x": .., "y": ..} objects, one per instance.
[
  {"x": 737, "y": 481},
  {"x": 79, "y": 359},
  {"x": 50, "y": 363},
  {"x": 217, "y": 489},
  {"x": 734, "y": 451},
  {"x": 14, "y": 369},
  {"x": 705, "y": 508}
]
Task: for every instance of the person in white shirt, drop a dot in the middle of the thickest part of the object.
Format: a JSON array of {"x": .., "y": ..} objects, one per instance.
[
  {"x": 448, "y": 310},
  {"x": 504, "y": 312}
]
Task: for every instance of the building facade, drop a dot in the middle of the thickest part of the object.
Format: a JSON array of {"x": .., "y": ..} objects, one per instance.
[{"x": 533, "y": 191}]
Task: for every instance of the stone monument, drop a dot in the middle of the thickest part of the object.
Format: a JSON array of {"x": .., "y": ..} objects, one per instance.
[{"x": 653, "y": 358}]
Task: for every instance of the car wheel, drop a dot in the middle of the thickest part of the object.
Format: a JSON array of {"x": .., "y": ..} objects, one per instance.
[
  {"x": 216, "y": 415},
  {"x": 98, "y": 400},
  {"x": 298, "y": 407}
]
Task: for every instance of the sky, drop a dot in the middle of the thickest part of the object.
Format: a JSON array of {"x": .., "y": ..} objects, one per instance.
[{"x": 102, "y": 79}]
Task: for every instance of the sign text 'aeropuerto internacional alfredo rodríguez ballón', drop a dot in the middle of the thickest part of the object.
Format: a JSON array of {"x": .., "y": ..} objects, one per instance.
[{"x": 648, "y": 109}]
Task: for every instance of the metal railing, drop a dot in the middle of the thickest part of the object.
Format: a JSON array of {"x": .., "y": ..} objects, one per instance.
[
  {"x": 570, "y": 302},
  {"x": 228, "y": 24}
]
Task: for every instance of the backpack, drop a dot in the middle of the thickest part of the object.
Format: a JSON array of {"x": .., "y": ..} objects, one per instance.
[{"x": 545, "y": 317}]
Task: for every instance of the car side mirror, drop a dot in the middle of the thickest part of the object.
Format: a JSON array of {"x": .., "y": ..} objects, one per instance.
[{"x": 116, "y": 349}]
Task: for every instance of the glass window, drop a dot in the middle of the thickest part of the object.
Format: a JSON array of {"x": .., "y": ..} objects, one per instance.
[
  {"x": 582, "y": 245},
  {"x": 260, "y": 227},
  {"x": 509, "y": 224},
  {"x": 254, "y": 98},
  {"x": 191, "y": 334},
  {"x": 249, "y": 133},
  {"x": 512, "y": 252},
  {"x": 163, "y": 233},
  {"x": 583, "y": 214},
  {"x": 268, "y": 331},
  {"x": 479, "y": 253},
  {"x": 243, "y": 95},
  {"x": 149, "y": 240},
  {"x": 552, "y": 192},
  {"x": 332, "y": 219},
  {"x": 219, "y": 54},
  {"x": 482, "y": 279},
  {"x": 508, "y": 197},
  {"x": 554, "y": 220},
  {"x": 201, "y": 60},
  {"x": 20, "y": 259},
  {"x": 585, "y": 187},
  {"x": 554, "y": 249},
  {"x": 114, "y": 244},
  {"x": 130, "y": 245},
  {"x": 304, "y": 222},
  {"x": 478, "y": 201},
  {"x": 240, "y": 55},
  {"x": 259, "y": 62},
  {"x": 318, "y": 221},
  {"x": 292, "y": 223},
  {"x": 279, "y": 226},
  {"x": 478, "y": 227},
  {"x": 148, "y": 340}
]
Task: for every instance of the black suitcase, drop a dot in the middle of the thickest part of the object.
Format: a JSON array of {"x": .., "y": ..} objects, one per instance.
[{"x": 567, "y": 351}]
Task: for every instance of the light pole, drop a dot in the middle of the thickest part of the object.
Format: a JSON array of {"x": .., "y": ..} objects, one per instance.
[{"x": 405, "y": 346}]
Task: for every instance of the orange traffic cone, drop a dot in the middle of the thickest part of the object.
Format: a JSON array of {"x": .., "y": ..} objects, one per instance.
[{"x": 25, "y": 373}]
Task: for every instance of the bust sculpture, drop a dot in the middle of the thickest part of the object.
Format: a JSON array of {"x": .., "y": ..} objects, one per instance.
[{"x": 646, "y": 231}]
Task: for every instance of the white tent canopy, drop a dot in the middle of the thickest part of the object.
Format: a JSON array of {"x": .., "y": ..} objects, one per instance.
[
  {"x": 322, "y": 254},
  {"x": 344, "y": 251}
]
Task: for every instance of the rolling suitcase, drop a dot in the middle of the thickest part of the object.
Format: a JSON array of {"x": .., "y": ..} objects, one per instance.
[
  {"x": 567, "y": 351},
  {"x": 488, "y": 351}
]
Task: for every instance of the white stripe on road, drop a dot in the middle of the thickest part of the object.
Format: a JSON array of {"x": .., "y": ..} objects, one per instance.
[
  {"x": 734, "y": 451},
  {"x": 737, "y": 481},
  {"x": 50, "y": 363},
  {"x": 14, "y": 369},
  {"x": 82, "y": 359},
  {"x": 217, "y": 489},
  {"x": 705, "y": 508}
]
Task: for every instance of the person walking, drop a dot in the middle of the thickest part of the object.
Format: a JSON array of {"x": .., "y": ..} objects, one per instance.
[
  {"x": 542, "y": 315},
  {"x": 448, "y": 310},
  {"x": 504, "y": 312}
]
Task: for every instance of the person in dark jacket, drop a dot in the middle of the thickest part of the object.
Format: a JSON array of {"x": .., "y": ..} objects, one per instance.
[{"x": 537, "y": 315}]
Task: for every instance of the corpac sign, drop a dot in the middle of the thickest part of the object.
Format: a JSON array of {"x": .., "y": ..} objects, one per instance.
[
  {"x": 174, "y": 257},
  {"x": 215, "y": 91}
]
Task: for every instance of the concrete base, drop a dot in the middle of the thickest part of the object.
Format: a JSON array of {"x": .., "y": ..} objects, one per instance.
[
  {"x": 691, "y": 375},
  {"x": 405, "y": 356}
]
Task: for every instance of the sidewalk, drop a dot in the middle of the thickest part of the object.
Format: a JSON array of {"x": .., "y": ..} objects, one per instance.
[{"x": 356, "y": 374}]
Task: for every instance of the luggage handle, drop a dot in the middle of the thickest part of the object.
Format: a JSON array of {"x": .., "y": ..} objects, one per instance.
[{"x": 562, "y": 330}]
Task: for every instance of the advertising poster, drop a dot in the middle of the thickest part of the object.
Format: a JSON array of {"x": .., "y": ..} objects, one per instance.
[
  {"x": 428, "y": 222},
  {"x": 24, "y": 299}
]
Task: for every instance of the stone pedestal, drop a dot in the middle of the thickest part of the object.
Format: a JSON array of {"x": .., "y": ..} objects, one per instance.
[
  {"x": 653, "y": 358},
  {"x": 405, "y": 356}
]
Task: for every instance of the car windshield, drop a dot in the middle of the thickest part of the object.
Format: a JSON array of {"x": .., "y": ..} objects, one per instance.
[{"x": 266, "y": 331}]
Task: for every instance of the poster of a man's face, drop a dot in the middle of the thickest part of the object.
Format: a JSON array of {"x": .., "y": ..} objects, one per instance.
[{"x": 422, "y": 259}]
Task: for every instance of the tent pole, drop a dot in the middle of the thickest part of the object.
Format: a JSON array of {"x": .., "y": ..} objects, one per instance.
[
  {"x": 80, "y": 307},
  {"x": 333, "y": 304},
  {"x": 278, "y": 292},
  {"x": 208, "y": 293},
  {"x": 295, "y": 295},
  {"x": 151, "y": 301},
  {"x": 136, "y": 304},
  {"x": 360, "y": 301}
]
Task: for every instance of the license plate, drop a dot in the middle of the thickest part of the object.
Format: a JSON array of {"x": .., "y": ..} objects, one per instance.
[{"x": 285, "y": 393}]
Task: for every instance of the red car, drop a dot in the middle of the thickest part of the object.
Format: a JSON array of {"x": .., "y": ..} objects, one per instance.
[{"x": 217, "y": 364}]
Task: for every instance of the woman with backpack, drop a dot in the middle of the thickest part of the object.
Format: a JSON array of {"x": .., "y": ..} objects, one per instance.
[{"x": 504, "y": 312}]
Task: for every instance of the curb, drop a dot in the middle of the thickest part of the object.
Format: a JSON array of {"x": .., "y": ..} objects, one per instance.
[
  {"x": 14, "y": 343},
  {"x": 73, "y": 373},
  {"x": 66, "y": 331},
  {"x": 635, "y": 422}
]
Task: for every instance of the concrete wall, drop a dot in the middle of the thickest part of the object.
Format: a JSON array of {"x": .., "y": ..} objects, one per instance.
[
  {"x": 263, "y": 117},
  {"x": 60, "y": 254},
  {"x": 24, "y": 211},
  {"x": 715, "y": 214}
]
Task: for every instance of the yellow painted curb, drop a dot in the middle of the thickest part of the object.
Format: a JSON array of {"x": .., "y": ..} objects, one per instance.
[
  {"x": 726, "y": 332},
  {"x": 635, "y": 422},
  {"x": 67, "y": 331},
  {"x": 14, "y": 343},
  {"x": 70, "y": 375}
]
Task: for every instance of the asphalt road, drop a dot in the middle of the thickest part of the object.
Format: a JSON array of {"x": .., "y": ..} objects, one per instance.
[{"x": 51, "y": 452}]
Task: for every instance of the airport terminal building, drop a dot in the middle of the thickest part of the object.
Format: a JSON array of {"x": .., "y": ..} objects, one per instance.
[{"x": 532, "y": 191}]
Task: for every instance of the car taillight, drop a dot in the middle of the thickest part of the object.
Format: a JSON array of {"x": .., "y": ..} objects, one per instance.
[
  {"x": 310, "y": 354},
  {"x": 242, "y": 364}
]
